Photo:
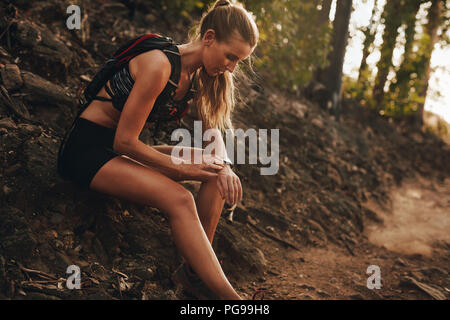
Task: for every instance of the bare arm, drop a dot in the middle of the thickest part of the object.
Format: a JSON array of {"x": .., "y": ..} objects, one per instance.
[
  {"x": 153, "y": 72},
  {"x": 220, "y": 150},
  {"x": 228, "y": 182}
]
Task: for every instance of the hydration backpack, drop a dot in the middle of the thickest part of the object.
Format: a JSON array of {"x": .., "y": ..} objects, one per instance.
[{"x": 119, "y": 59}]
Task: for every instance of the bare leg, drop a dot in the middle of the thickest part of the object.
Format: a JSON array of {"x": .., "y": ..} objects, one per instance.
[
  {"x": 209, "y": 207},
  {"x": 209, "y": 202},
  {"x": 131, "y": 181}
]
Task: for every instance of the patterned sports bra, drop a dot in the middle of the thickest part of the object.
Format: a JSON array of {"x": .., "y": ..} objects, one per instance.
[{"x": 165, "y": 107}]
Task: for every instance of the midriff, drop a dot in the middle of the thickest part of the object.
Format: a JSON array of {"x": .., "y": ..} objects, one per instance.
[{"x": 103, "y": 112}]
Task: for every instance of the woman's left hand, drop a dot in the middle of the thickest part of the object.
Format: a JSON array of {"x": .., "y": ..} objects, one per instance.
[{"x": 229, "y": 185}]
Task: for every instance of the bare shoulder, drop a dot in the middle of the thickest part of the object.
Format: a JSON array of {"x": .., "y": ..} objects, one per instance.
[{"x": 153, "y": 62}]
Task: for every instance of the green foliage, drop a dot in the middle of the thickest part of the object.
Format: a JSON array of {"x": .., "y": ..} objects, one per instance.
[
  {"x": 359, "y": 90},
  {"x": 183, "y": 8},
  {"x": 407, "y": 90},
  {"x": 292, "y": 45}
]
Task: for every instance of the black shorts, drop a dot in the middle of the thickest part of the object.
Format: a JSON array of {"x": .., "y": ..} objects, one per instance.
[{"x": 85, "y": 150}]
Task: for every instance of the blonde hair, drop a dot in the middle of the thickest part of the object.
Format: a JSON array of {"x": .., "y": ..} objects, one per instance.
[{"x": 215, "y": 98}]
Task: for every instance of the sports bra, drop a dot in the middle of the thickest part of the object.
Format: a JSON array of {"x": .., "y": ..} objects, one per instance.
[{"x": 165, "y": 107}]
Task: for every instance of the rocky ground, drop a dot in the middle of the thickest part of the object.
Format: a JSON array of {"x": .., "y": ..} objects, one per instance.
[{"x": 305, "y": 233}]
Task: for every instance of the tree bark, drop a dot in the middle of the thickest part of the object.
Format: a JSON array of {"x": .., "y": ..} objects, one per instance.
[
  {"x": 431, "y": 28},
  {"x": 392, "y": 18},
  {"x": 369, "y": 37},
  {"x": 333, "y": 79},
  {"x": 325, "y": 12},
  {"x": 401, "y": 86}
]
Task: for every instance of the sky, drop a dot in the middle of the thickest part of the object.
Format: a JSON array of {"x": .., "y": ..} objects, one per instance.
[{"x": 440, "y": 59}]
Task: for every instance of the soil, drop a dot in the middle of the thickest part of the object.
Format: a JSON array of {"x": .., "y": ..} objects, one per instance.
[{"x": 412, "y": 242}]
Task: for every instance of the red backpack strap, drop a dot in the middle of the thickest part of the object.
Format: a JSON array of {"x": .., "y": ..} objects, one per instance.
[
  {"x": 136, "y": 42},
  {"x": 122, "y": 57}
]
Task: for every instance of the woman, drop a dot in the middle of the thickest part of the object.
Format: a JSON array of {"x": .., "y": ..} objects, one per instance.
[{"x": 103, "y": 151}]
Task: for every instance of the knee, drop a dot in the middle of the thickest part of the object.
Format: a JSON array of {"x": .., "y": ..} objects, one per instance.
[
  {"x": 184, "y": 198},
  {"x": 182, "y": 202}
]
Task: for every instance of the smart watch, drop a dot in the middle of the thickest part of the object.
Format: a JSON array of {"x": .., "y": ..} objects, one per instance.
[{"x": 228, "y": 162}]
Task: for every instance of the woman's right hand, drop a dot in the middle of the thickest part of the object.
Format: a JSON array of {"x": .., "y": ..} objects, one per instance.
[{"x": 204, "y": 171}]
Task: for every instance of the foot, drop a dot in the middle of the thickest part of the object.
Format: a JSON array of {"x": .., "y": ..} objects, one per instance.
[{"x": 191, "y": 283}]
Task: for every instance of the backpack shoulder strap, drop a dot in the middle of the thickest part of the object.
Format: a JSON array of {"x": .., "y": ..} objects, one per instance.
[
  {"x": 173, "y": 55},
  {"x": 122, "y": 56}
]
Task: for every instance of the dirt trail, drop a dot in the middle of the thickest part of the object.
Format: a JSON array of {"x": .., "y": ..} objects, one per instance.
[
  {"x": 412, "y": 243},
  {"x": 419, "y": 217}
]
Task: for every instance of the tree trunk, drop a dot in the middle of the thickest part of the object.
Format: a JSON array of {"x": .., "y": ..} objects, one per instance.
[
  {"x": 333, "y": 79},
  {"x": 392, "y": 17},
  {"x": 431, "y": 28},
  {"x": 369, "y": 37},
  {"x": 325, "y": 12},
  {"x": 311, "y": 91},
  {"x": 401, "y": 86},
  {"x": 322, "y": 20}
]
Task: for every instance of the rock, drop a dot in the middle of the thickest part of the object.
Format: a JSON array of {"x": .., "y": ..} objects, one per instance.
[
  {"x": 15, "y": 105},
  {"x": 42, "y": 43},
  {"x": 243, "y": 257},
  {"x": 145, "y": 274},
  {"x": 433, "y": 292},
  {"x": 299, "y": 109},
  {"x": 356, "y": 296},
  {"x": 261, "y": 256},
  {"x": 3, "y": 52},
  {"x": 42, "y": 90},
  {"x": 50, "y": 235},
  {"x": 58, "y": 244},
  {"x": 11, "y": 77},
  {"x": 318, "y": 123},
  {"x": 8, "y": 123},
  {"x": 305, "y": 286},
  {"x": 401, "y": 262},
  {"x": 323, "y": 294},
  {"x": 273, "y": 272},
  {"x": 30, "y": 129},
  {"x": 430, "y": 271}
]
